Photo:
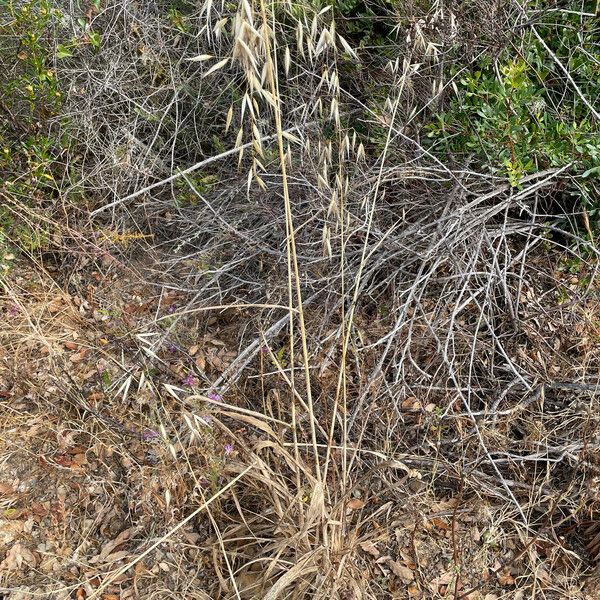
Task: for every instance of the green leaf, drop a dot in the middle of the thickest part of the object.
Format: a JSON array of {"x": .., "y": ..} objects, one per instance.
[
  {"x": 592, "y": 171},
  {"x": 62, "y": 51},
  {"x": 95, "y": 39}
]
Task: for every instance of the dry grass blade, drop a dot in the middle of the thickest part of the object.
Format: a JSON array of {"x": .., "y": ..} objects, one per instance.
[{"x": 298, "y": 571}]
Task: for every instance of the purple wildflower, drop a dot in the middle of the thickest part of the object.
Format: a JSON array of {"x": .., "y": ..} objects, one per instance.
[
  {"x": 171, "y": 309},
  {"x": 172, "y": 348},
  {"x": 13, "y": 310},
  {"x": 207, "y": 419},
  {"x": 214, "y": 397},
  {"x": 149, "y": 434},
  {"x": 190, "y": 380},
  {"x": 228, "y": 449}
]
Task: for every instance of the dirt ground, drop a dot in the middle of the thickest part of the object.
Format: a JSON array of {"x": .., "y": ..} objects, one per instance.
[{"x": 99, "y": 473}]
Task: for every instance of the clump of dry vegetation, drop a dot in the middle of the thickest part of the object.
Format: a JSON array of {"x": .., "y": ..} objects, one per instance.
[{"x": 298, "y": 300}]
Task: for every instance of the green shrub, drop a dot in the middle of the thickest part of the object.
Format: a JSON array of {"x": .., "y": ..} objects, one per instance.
[
  {"x": 30, "y": 97},
  {"x": 517, "y": 113},
  {"x": 507, "y": 123}
]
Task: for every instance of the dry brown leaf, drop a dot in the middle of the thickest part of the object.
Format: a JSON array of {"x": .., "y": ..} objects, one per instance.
[
  {"x": 543, "y": 576},
  {"x": 10, "y": 531},
  {"x": 249, "y": 582},
  {"x": 16, "y": 557},
  {"x": 115, "y": 556},
  {"x": 356, "y": 504},
  {"x": 39, "y": 509},
  {"x": 80, "y": 459},
  {"x": 370, "y": 548},
  {"x": 401, "y": 571},
  {"x": 55, "y": 305},
  {"x": 441, "y": 524},
  {"x": 442, "y": 580},
  {"x": 79, "y": 356},
  {"x": 109, "y": 547},
  {"x": 505, "y": 577},
  {"x": 6, "y": 489},
  {"x": 444, "y": 505},
  {"x": 410, "y": 404}
]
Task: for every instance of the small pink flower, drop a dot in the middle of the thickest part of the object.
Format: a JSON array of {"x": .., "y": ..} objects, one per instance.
[
  {"x": 190, "y": 380},
  {"x": 228, "y": 449},
  {"x": 207, "y": 419},
  {"x": 149, "y": 434},
  {"x": 214, "y": 397}
]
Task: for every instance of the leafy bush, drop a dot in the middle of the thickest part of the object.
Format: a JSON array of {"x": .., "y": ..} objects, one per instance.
[
  {"x": 518, "y": 112},
  {"x": 30, "y": 96},
  {"x": 506, "y": 122}
]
